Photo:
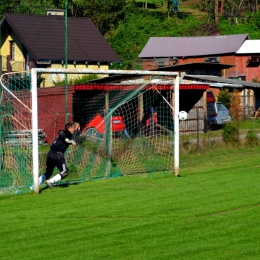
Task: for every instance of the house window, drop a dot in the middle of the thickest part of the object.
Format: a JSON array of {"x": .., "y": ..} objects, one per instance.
[
  {"x": 27, "y": 62},
  {"x": 212, "y": 59},
  {"x": 254, "y": 59},
  {"x": 12, "y": 50}
]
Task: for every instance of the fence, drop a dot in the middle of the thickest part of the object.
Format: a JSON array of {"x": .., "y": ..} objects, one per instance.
[{"x": 248, "y": 106}]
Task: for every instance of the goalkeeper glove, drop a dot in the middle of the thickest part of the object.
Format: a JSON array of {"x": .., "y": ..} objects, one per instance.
[{"x": 70, "y": 141}]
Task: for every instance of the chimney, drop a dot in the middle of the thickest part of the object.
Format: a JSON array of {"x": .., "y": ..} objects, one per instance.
[{"x": 55, "y": 12}]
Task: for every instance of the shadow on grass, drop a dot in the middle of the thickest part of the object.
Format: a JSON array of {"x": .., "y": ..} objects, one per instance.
[
  {"x": 59, "y": 185},
  {"x": 163, "y": 175}
]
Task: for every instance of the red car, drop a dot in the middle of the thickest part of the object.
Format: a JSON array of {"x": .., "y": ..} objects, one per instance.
[{"x": 96, "y": 127}]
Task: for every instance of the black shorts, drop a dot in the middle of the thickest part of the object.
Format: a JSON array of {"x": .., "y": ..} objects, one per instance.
[{"x": 55, "y": 159}]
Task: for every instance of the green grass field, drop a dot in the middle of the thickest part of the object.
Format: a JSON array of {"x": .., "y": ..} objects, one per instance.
[{"x": 210, "y": 212}]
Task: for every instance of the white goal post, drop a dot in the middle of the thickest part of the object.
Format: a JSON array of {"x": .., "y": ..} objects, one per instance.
[{"x": 34, "y": 74}]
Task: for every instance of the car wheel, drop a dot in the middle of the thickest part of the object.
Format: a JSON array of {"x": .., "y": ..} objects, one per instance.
[{"x": 93, "y": 133}]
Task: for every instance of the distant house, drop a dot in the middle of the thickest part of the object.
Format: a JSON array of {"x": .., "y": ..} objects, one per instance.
[
  {"x": 231, "y": 56},
  {"x": 30, "y": 41},
  {"x": 229, "y": 61},
  {"x": 226, "y": 61},
  {"x": 204, "y": 55}
]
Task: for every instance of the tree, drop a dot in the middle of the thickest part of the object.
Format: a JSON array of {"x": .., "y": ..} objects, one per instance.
[
  {"x": 9, "y": 6},
  {"x": 224, "y": 97},
  {"x": 106, "y": 14},
  {"x": 37, "y": 7},
  {"x": 145, "y": 4},
  {"x": 231, "y": 9}
]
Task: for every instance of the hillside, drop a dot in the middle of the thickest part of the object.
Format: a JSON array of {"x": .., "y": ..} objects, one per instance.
[
  {"x": 128, "y": 24},
  {"x": 138, "y": 24}
]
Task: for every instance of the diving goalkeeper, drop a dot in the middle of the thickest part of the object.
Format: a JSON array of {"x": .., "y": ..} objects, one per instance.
[{"x": 55, "y": 157}]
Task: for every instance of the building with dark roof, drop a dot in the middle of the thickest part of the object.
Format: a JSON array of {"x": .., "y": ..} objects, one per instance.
[{"x": 30, "y": 41}]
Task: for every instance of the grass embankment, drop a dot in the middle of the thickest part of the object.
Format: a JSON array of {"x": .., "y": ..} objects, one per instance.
[
  {"x": 243, "y": 128},
  {"x": 211, "y": 212}
]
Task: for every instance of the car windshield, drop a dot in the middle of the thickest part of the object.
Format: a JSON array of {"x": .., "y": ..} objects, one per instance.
[{"x": 221, "y": 107}]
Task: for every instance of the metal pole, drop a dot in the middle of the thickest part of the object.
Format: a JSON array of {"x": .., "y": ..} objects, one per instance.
[
  {"x": 198, "y": 130},
  {"x": 176, "y": 127},
  {"x": 1, "y": 69},
  {"x": 108, "y": 126},
  {"x": 66, "y": 60},
  {"x": 35, "y": 149},
  {"x": 1, "y": 150}
]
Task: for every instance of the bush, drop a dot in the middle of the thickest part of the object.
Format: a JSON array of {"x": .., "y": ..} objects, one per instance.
[
  {"x": 252, "y": 138},
  {"x": 78, "y": 80},
  {"x": 230, "y": 133}
]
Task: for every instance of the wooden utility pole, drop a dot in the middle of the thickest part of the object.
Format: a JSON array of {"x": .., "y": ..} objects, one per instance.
[
  {"x": 216, "y": 12},
  {"x": 222, "y": 7},
  {"x": 145, "y": 4}
]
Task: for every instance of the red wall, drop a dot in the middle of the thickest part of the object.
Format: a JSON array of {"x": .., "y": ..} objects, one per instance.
[
  {"x": 241, "y": 65},
  {"x": 52, "y": 110},
  {"x": 250, "y": 69}
]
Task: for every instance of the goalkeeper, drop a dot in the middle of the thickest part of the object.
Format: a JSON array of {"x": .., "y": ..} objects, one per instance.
[{"x": 55, "y": 157}]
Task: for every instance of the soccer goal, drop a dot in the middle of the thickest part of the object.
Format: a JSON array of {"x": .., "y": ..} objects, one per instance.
[{"x": 129, "y": 126}]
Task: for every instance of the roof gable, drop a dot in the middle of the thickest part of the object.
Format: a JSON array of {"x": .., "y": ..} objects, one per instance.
[
  {"x": 192, "y": 46},
  {"x": 250, "y": 47},
  {"x": 44, "y": 38}
]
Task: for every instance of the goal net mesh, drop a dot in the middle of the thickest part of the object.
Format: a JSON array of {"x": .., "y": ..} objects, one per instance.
[{"x": 127, "y": 128}]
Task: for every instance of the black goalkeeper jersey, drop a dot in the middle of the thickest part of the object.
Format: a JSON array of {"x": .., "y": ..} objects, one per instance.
[{"x": 59, "y": 143}]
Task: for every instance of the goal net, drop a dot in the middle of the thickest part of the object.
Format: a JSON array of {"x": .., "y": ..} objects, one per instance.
[{"x": 127, "y": 127}]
